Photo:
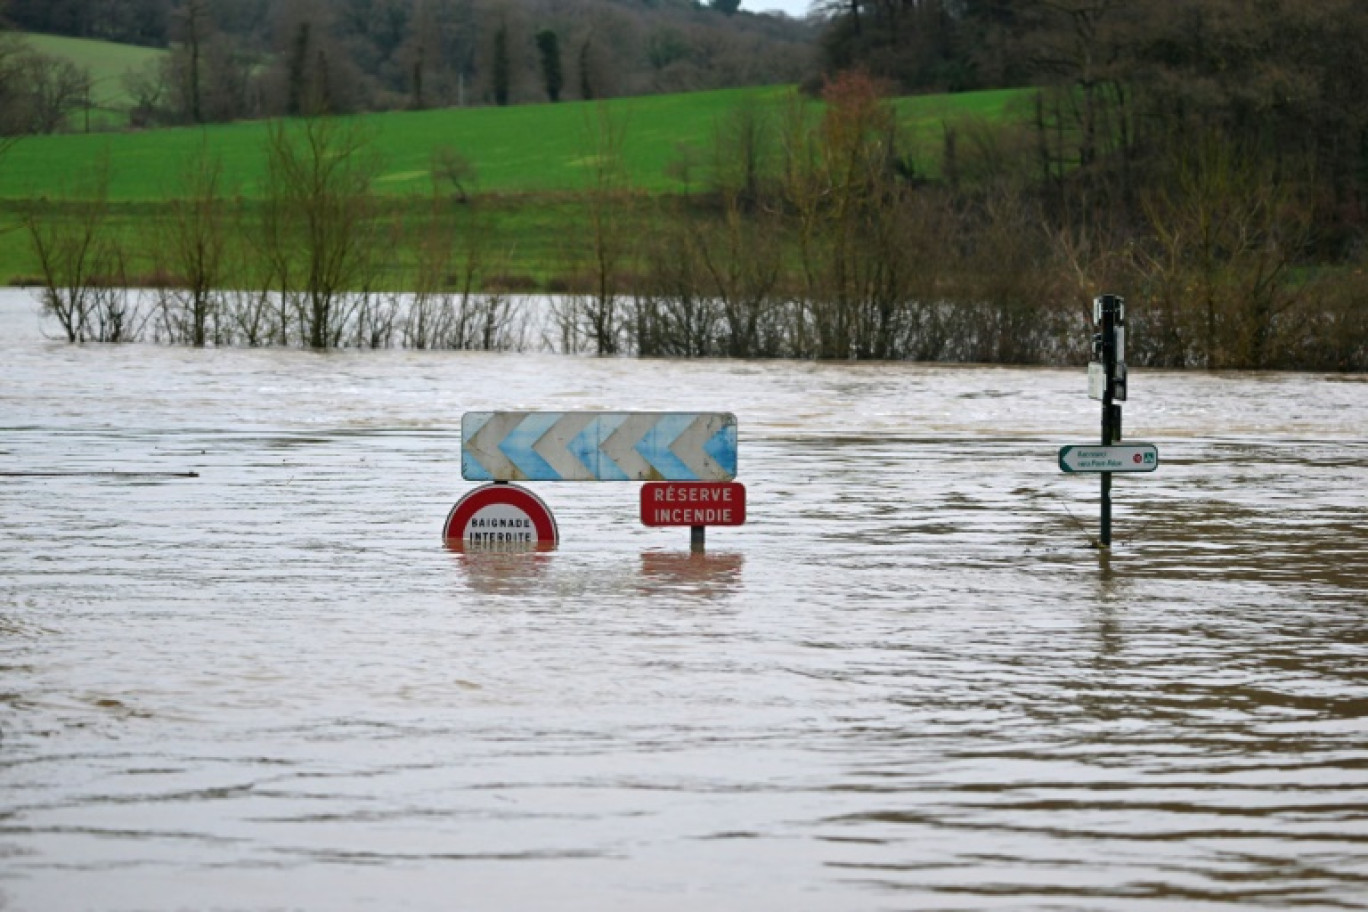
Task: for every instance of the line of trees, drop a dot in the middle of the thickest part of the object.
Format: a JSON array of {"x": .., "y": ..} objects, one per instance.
[
  {"x": 142, "y": 22},
  {"x": 810, "y": 235},
  {"x": 303, "y": 266},
  {"x": 1211, "y": 155},
  {"x": 828, "y": 245},
  {"x": 1125, "y": 81},
  {"x": 237, "y": 59}
]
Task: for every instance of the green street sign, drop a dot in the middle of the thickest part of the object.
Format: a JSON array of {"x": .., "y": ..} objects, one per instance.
[{"x": 1132, "y": 457}]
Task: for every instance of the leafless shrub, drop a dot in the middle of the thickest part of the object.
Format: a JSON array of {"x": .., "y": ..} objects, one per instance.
[
  {"x": 1334, "y": 335},
  {"x": 451, "y": 305},
  {"x": 673, "y": 313},
  {"x": 82, "y": 264},
  {"x": 599, "y": 256},
  {"x": 1006, "y": 295},
  {"x": 1218, "y": 271},
  {"x": 317, "y": 229},
  {"x": 192, "y": 250},
  {"x": 451, "y": 165}
]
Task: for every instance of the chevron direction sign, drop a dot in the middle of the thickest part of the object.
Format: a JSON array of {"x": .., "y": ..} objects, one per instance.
[{"x": 598, "y": 446}]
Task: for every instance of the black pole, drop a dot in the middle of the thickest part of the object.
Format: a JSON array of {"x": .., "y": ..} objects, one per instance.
[
  {"x": 1110, "y": 432},
  {"x": 1106, "y": 478},
  {"x": 1106, "y": 510},
  {"x": 1107, "y": 432},
  {"x": 697, "y": 538}
]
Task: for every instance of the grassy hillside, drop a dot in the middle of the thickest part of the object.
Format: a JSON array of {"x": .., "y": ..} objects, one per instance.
[
  {"x": 528, "y": 159},
  {"x": 107, "y": 63},
  {"x": 525, "y": 149}
]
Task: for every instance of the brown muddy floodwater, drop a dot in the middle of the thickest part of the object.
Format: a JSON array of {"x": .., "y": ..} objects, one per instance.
[{"x": 908, "y": 683}]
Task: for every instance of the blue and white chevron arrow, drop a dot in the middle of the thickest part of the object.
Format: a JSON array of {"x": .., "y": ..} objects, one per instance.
[{"x": 598, "y": 446}]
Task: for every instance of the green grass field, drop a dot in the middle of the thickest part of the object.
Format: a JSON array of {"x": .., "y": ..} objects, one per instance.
[
  {"x": 528, "y": 159},
  {"x": 525, "y": 149}
]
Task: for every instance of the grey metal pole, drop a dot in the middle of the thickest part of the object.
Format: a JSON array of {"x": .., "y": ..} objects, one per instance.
[
  {"x": 1106, "y": 510},
  {"x": 1106, "y": 476},
  {"x": 1108, "y": 432}
]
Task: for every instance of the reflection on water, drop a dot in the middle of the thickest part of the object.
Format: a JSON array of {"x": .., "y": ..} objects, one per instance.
[
  {"x": 908, "y": 682},
  {"x": 502, "y": 571},
  {"x": 697, "y": 573}
]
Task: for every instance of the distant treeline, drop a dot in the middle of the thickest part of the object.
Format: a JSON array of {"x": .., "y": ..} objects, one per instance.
[
  {"x": 1127, "y": 81},
  {"x": 814, "y": 234},
  {"x": 1209, "y": 155},
  {"x": 238, "y": 59}
]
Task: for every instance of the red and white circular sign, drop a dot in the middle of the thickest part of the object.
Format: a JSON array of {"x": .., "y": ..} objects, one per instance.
[{"x": 501, "y": 516}]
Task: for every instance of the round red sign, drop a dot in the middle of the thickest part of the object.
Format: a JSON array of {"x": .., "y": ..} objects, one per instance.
[{"x": 501, "y": 516}]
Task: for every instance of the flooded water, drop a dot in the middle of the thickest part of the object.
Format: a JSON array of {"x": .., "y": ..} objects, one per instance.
[{"x": 908, "y": 682}]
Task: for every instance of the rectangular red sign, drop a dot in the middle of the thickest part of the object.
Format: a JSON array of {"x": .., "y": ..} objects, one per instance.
[{"x": 693, "y": 503}]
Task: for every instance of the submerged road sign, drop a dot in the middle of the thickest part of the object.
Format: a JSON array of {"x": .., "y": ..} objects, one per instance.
[
  {"x": 598, "y": 446},
  {"x": 1133, "y": 457},
  {"x": 501, "y": 517},
  {"x": 693, "y": 503}
]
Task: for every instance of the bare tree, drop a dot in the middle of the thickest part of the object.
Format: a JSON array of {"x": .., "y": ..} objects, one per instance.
[
  {"x": 317, "y": 222},
  {"x": 38, "y": 92},
  {"x": 14, "y": 101},
  {"x": 453, "y": 166},
  {"x": 192, "y": 253},
  {"x": 548, "y": 47},
  {"x": 192, "y": 28},
  {"x": 81, "y": 264},
  {"x": 146, "y": 86},
  {"x": 1227, "y": 237},
  {"x": 420, "y": 56},
  {"x": 601, "y": 254},
  {"x": 743, "y": 154},
  {"x": 313, "y": 74}
]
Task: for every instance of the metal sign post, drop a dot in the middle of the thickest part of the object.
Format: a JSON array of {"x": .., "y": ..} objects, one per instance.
[
  {"x": 1107, "y": 381},
  {"x": 1109, "y": 313}
]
